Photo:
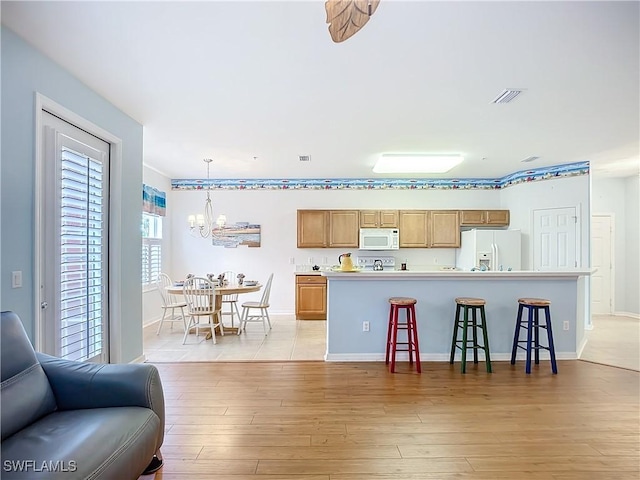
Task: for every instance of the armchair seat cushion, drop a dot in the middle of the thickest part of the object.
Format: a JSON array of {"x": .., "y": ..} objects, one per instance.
[{"x": 94, "y": 443}]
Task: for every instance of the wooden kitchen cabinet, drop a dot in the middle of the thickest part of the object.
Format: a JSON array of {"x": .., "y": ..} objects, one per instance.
[
  {"x": 313, "y": 228},
  {"x": 444, "y": 228},
  {"x": 344, "y": 228},
  {"x": 328, "y": 228},
  {"x": 414, "y": 228},
  {"x": 378, "y": 218},
  {"x": 311, "y": 297},
  {"x": 483, "y": 218}
]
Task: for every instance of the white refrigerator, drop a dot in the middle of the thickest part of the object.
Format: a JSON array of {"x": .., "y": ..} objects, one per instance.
[{"x": 490, "y": 250}]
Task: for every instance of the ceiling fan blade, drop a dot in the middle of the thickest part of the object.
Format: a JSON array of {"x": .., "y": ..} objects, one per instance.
[{"x": 347, "y": 17}]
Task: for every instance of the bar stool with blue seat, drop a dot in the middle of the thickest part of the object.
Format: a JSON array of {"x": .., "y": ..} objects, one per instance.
[
  {"x": 411, "y": 345},
  {"x": 474, "y": 304},
  {"x": 532, "y": 325}
]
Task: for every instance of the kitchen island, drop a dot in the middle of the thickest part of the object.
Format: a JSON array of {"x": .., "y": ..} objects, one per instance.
[{"x": 357, "y": 297}]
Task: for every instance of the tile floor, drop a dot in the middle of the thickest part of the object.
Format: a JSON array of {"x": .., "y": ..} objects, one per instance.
[
  {"x": 289, "y": 339},
  {"x": 614, "y": 340}
]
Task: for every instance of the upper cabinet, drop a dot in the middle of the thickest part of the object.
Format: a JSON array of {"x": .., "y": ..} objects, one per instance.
[
  {"x": 328, "y": 228},
  {"x": 343, "y": 228},
  {"x": 418, "y": 228},
  {"x": 414, "y": 228},
  {"x": 444, "y": 228},
  {"x": 480, "y": 218},
  {"x": 378, "y": 218},
  {"x": 313, "y": 228}
]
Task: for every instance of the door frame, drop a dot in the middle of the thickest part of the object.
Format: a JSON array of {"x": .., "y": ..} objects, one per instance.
[
  {"x": 114, "y": 271},
  {"x": 612, "y": 253}
]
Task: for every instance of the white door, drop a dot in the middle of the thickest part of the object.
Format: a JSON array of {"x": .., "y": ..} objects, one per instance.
[
  {"x": 73, "y": 245},
  {"x": 602, "y": 261},
  {"x": 555, "y": 234}
]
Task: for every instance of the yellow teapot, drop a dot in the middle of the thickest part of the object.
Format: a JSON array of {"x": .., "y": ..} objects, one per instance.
[{"x": 346, "y": 264}]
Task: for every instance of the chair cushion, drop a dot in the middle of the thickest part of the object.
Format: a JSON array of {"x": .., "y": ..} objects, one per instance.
[
  {"x": 25, "y": 393},
  {"x": 95, "y": 443}
]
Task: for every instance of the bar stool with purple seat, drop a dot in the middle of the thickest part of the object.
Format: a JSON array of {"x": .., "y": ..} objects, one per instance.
[
  {"x": 410, "y": 325},
  {"x": 532, "y": 325}
]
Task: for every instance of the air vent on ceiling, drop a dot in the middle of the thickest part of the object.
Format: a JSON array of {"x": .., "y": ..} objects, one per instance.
[
  {"x": 530, "y": 159},
  {"x": 507, "y": 95},
  {"x": 304, "y": 158}
]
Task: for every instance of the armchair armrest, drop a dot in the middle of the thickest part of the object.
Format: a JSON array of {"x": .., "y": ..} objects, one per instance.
[{"x": 78, "y": 385}]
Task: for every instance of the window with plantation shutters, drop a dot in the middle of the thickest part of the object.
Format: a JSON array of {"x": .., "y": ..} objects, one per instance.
[
  {"x": 151, "y": 248},
  {"x": 75, "y": 226},
  {"x": 82, "y": 252}
]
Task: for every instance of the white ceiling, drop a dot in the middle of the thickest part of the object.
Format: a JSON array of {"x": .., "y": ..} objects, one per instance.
[{"x": 253, "y": 85}]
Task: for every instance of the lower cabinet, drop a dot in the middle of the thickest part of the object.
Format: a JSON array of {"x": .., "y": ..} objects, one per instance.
[{"x": 311, "y": 297}]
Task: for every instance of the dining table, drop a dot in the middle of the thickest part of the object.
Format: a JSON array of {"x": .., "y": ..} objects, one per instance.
[{"x": 215, "y": 295}]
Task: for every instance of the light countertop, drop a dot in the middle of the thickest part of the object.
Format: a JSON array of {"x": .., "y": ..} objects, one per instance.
[{"x": 409, "y": 274}]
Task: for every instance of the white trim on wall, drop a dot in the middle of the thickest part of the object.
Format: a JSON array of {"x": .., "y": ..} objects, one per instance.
[{"x": 115, "y": 220}]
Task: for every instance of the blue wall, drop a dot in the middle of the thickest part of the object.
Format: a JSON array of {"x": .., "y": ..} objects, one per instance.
[{"x": 25, "y": 72}]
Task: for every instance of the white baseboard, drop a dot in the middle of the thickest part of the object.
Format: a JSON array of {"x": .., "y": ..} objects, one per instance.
[
  {"x": 582, "y": 345},
  {"x": 438, "y": 357},
  {"x": 627, "y": 314},
  {"x": 140, "y": 359}
]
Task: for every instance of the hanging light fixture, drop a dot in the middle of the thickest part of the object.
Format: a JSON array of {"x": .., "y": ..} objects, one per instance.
[{"x": 203, "y": 222}]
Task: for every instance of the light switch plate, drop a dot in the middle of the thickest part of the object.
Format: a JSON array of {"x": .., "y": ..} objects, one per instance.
[{"x": 16, "y": 279}]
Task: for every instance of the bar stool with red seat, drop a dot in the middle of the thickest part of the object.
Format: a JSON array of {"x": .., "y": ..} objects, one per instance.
[{"x": 409, "y": 306}]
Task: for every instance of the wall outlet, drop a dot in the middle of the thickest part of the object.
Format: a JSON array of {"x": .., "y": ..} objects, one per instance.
[
  {"x": 365, "y": 326},
  {"x": 325, "y": 260},
  {"x": 310, "y": 260},
  {"x": 565, "y": 325},
  {"x": 292, "y": 261}
]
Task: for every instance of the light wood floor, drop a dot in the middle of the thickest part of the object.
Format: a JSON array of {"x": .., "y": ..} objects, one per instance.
[{"x": 355, "y": 421}]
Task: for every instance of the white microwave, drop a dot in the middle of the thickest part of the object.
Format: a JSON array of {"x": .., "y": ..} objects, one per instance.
[{"x": 379, "y": 239}]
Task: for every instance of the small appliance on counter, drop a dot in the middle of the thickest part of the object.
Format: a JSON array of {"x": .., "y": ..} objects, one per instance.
[{"x": 376, "y": 263}]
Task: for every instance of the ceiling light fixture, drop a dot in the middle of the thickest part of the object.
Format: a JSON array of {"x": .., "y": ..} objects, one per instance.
[
  {"x": 204, "y": 221},
  {"x": 416, "y": 162}
]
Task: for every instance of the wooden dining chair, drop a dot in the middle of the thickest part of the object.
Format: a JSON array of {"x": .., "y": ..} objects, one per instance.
[
  {"x": 232, "y": 299},
  {"x": 170, "y": 303},
  {"x": 199, "y": 293},
  {"x": 262, "y": 315}
]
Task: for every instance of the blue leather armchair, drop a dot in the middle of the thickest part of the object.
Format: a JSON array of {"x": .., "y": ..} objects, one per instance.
[{"x": 72, "y": 420}]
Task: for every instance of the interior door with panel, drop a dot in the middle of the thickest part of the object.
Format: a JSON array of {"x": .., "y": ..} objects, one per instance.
[
  {"x": 555, "y": 239},
  {"x": 602, "y": 262},
  {"x": 73, "y": 242}
]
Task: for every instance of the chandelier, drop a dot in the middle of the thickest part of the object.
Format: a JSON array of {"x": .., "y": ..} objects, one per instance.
[{"x": 202, "y": 223}]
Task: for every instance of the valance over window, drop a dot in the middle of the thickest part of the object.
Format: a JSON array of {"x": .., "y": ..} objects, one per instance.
[{"x": 154, "y": 201}]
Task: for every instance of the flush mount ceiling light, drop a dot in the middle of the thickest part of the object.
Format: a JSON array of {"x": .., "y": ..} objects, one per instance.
[{"x": 416, "y": 162}]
